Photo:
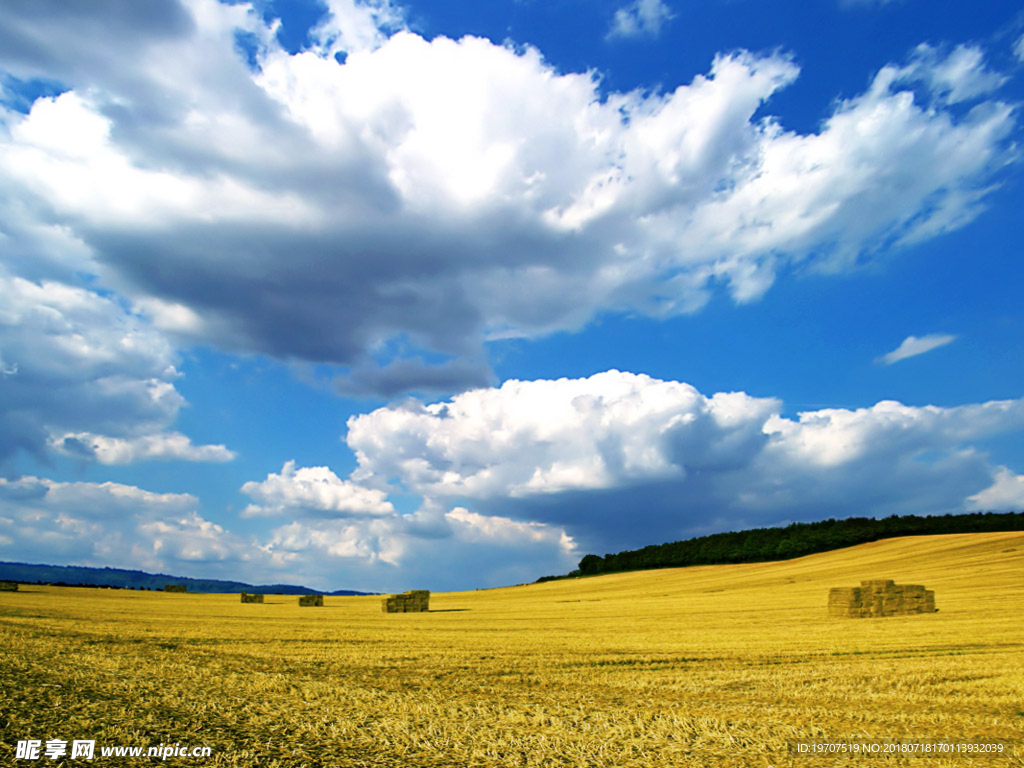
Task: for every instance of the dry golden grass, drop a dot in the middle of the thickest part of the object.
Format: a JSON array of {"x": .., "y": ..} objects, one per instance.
[{"x": 708, "y": 666}]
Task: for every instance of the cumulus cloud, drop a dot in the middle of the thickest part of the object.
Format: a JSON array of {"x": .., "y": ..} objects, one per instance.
[
  {"x": 313, "y": 490},
  {"x": 116, "y": 525},
  {"x": 82, "y": 371},
  {"x": 643, "y": 18},
  {"x": 400, "y": 551},
  {"x": 84, "y": 376},
  {"x": 1005, "y": 493},
  {"x": 523, "y": 479},
  {"x": 76, "y": 362},
  {"x": 622, "y": 459},
  {"x": 539, "y": 437},
  {"x": 107, "y": 524},
  {"x": 166, "y": 446},
  {"x": 912, "y": 346},
  {"x": 443, "y": 192},
  {"x": 339, "y": 527}
]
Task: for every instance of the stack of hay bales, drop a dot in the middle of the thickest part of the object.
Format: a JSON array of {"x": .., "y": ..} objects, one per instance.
[
  {"x": 844, "y": 601},
  {"x": 247, "y": 598},
  {"x": 880, "y": 597},
  {"x": 315, "y": 600},
  {"x": 175, "y": 588},
  {"x": 8, "y": 586},
  {"x": 413, "y": 601}
]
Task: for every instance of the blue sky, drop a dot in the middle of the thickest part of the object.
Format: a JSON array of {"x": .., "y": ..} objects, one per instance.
[{"x": 439, "y": 295}]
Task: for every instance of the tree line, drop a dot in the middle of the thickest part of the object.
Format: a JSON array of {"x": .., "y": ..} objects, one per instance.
[{"x": 795, "y": 540}]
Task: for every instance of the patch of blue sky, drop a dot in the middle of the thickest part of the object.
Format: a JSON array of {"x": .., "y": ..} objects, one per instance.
[
  {"x": 248, "y": 46},
  {"x": 20, "y": 94},
  {"x": 297, "y": 17}
]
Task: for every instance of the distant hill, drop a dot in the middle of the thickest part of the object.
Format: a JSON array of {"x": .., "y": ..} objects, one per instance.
[
  {"x": 82, "y": 576},
  {"x": 767, "y": 544}
]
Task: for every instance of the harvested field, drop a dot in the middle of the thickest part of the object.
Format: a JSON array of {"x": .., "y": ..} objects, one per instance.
[{"x": 703, "y": 667}]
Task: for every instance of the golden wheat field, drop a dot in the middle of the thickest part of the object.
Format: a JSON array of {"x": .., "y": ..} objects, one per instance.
[{"x": 707, "y": 666}]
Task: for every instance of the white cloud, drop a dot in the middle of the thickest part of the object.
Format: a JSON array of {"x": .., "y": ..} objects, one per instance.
[
  {"x": 81, "y": 374},
  {"x": 836, "y": 437},
  {"x": 86, "y": 377},
  {"x": 1005, "y": 493},
  {"x": 521, "y": 480},
  {"x": 1018, "y": 48},
  {"x": 164, "y": 446},
  {"x": 430, "y": 548},
  {"x": 641, "y": 18},
  {"x": 316, "y": 491},
  {"x": 959, "y": 76},
  {"x": 621, "y": 459},
  {"x": 86, "y": 174},
  {"x": 537, "y": 437},
  {"x": 76, "y": 362},
  {"x": 477, "y": 527},
  {"x": 912, "y": 346},
  {"x": 186, "y": 169},
  {"x": 108, "y": 525},
  {"x": 351, "y": 26},
  {"x": 170, "y": 316},
  {"x": 342, "y": 529},
  {"x": 83, "y": 498},
  {"x": 117, "y": 525}
]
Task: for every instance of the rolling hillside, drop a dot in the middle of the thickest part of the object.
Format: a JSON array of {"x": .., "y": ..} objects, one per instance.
[{"x": 978, "y": 580}]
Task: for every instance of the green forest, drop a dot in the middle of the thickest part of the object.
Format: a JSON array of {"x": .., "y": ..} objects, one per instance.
[{"x": 795, "y": 540}]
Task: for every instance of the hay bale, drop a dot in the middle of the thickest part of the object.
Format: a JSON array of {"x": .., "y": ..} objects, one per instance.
[
  {"x": 175, "y": 588},
  {"x": 413, "y": 601},
  {"x": 8, "y": 586},
  {"x": 311, "y": 600},
  {"x": 249, "y": 598},
  {"x": 877, "y": 585},
  {"x": 844, "y": 601},
  {"x": 928, "y": 606},
  {"x": 844, "y": 595},
  {"x": 880, "y": 597}
]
